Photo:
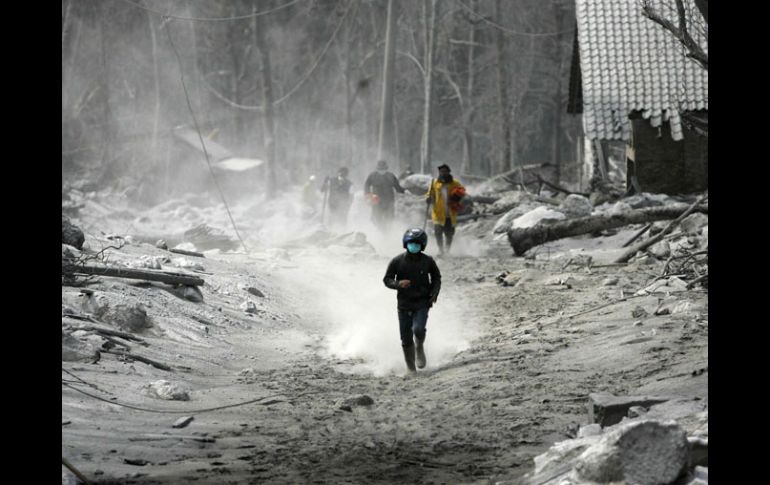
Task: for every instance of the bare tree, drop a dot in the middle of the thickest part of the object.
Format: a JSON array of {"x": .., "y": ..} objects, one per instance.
[
  {"x": 680, "y": 30},
  {"x": 429, "y": 24},
  {"x": 386, "y": 113},
  {"x": 267, "y": 101},
  {"x": 502, "y": 93}
]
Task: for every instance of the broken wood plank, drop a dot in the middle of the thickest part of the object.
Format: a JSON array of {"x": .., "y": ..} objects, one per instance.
[
  {"x": 637, "y": 235},
  {"x": 522, "y": 239},
  {"x": 649, "y": 242},
  {"x": 188, "y": 253},
  {"x": 137, "y": 274},
  {"x": 129, "y": 355},
  {"x": 110, "y": 332}
]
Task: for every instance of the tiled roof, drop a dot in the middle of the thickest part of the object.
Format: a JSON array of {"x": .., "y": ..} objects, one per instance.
[{"x": 629, "y": 63}]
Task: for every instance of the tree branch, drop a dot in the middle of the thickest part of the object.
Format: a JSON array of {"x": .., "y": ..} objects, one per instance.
[{"x": 694, "y": 50}]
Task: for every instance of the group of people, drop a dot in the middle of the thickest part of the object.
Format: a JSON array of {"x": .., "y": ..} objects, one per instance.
[
  {"x": 413, "y": 274},
  {"x": 444, "y": 195}
]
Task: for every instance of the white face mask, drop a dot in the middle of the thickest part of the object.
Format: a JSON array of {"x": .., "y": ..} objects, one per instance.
[{"x": 382, "y": 172}]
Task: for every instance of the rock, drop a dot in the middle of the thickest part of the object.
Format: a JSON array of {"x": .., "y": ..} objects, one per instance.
[
  {"x": 610, "y": 281},
  {"x": 636, "y": 411},
  {"x": 75, "y": 350},
  {"x": 504, "y": 223},
  {"x": 150, "y": 262},
  {"x": 700, "y": 476},
  {"x": 539, "y": 215},
  {"x": 71, "y": 234},
  {"x": 161, "y": 244},
  {"x": 187, "y": 264},
  {"x": 619, "y": 208},
  {"x": 127, "y": 317},
  {"x": 593, "y": 429},
  {"x": 669, "y": 285},
  {"x": 694, "y": 223},
  {"x": 643, "y": 452},
  {"x": 182, "y": 422},
  {"x": 646, "y": 199},
  {"x": 661, "y": 250},
  {"x": 699, "y": 450},
  {"x": 606, "y": 409},
  {"x": 639, "y": 312},
  {"x": 417, "y": 183},
  {"x": 638, "y": 323},
  {"x": 357, "y": 400},
  {"x": 163, "y": 389},
  {"x": 69, "y": 252},
  {"x": 254, "y": 291},
  {"x": 193, "y": 294},
  {"x": 576, "y": 206},
  {"x": 248, "y": 306}
]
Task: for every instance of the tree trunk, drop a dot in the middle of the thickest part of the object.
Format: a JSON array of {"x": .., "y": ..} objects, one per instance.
[
  {"x": 386, "y": 113},
  {"x": 136, "y": 274},
  {"x": 235, "y": 85},
  {"x": 267, "y": 101},
  {"x": 556, "y": 157},
  {"x": 467, "y": 166},
  {"x": 106, "y": 161},
  {"x": 502, "y": 92},
  {"x": 156, "y": 79},
  {"x": 522, "y": 239},
  {"x": 429, "y": 23}
]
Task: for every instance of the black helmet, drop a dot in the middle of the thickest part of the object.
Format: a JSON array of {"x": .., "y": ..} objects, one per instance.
[{"x": 416, "y": 235}]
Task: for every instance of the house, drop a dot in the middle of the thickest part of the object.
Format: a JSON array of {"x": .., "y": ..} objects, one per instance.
[{"x": 637, "y": 90}]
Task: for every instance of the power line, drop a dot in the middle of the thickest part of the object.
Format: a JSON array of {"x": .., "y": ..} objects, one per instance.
[
  {"x": 169, "y": 411},
  {"x": 203, "y": 145},
  {"x": 509, "y": 31},
  {"x": 213, "y": 19}
]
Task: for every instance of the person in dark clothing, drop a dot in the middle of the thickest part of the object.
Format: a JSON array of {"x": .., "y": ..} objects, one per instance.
[
  {"x": 338, "y": 189},
  {"x": 417, "y": 279},
  {"x": 379, "y": 187}
]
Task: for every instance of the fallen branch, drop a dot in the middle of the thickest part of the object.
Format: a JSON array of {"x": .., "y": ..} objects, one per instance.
[
  {"x": 75, "y": 471},
  {"x": 649, "y": 242},
  {"x": 558, "y": 188},
  {"x": 111, "y": 333},
  {"x": 188, "y": 253},
  {"x": 137, "y": 274},
  {"x": 637, "y": 235},
  {"x": 522, "y": 239},
  {"x": 129, "y": 355}
]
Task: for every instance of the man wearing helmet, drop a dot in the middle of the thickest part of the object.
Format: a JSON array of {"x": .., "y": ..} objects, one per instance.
[
  {"x": 379, "y": 187},
  {"x": 417, "y": 279}
]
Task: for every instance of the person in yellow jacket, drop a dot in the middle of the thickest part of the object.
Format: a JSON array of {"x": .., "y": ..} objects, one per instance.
[{"x": 445, "y": 194}]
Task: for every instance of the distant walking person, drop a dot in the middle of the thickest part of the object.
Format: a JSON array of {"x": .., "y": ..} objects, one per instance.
[
  {"x": 340, "y": 197},
  {"x": 379, "y": 187}
]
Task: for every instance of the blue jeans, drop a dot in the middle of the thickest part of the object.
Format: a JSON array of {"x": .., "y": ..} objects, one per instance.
[{"x": 412, "y": 322}]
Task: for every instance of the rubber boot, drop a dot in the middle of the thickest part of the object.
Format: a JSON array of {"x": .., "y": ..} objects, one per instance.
[
  {"x": 409, "y": 357},
  {"x": 419, "y": 354}
]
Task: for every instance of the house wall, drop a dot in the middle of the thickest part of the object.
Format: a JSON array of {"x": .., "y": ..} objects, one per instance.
[{"x": 663, "y": 165}]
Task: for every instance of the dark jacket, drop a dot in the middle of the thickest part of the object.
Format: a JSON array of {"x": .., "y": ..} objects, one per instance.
[
  {"x": 383, "y": 185},
  {"x": 422, "y": 271}
]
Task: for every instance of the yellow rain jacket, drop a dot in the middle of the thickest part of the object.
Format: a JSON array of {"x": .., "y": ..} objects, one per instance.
[{"x": 436, "y": 194}]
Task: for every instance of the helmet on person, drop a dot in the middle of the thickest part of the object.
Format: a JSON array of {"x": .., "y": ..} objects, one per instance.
[
  {"x": 382, "y": 165},
  {"x": 415, "y": 235}
]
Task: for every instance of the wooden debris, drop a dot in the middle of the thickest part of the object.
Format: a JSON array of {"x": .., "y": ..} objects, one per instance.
[
  {"x": 522, "y": 239},
  {"x": 137, "y": 274},
  {"x": 131, "y": 356},
  {"x": 188, "y": 253}
]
